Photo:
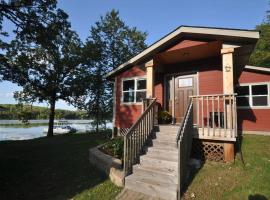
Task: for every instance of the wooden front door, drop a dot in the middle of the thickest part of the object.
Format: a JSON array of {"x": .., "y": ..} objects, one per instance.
[{"x": 185, "y": 86}]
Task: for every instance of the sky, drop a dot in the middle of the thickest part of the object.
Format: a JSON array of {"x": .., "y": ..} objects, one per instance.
[{"x": 157, "y": 18}]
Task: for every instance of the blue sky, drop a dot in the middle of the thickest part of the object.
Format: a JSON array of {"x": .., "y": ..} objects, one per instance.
[{"x": 157, "y": 18}]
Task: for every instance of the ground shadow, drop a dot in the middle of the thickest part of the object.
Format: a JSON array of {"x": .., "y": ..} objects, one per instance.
[
  {"x": 257, "y": 197},
  {"x": 49, "y": 168}
]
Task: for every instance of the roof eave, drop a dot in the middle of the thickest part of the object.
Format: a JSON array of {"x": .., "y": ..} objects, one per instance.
[{"x": 249, "y": 34}]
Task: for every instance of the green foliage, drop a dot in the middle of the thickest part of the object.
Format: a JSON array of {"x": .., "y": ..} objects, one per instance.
[
  {"x": 45, "y": 59},
  {"x": 164, "y": 117},
  {"x": 115, "y": 147},
  {"x": 27, "y": 112},
  {"x": 261, "y": 54},
  {"x": 110, "y": 43},
  {"x": 28, "y": 16}
]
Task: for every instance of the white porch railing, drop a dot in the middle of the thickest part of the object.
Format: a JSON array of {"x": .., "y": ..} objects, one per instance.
[{"x": 215, "y": 117}]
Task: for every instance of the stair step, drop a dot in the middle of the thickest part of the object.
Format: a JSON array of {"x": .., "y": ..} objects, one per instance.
[
  {"x": 167, "y": 151},
  {"x": 165, "y": 135},
  {"x": 164, "y": 144},
  {"x": 156, "y": 175},
  {"x": 161, "y": 155},
  {"x": 159, "y": 165},
  {"x": 158, "y": 169},
  {"x": 168, "y": 128},
  {"x": 151, "y": 187}
]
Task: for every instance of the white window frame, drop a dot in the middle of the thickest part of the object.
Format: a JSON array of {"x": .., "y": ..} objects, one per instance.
[
  {"x": 250, "y": 96},
  {"x": 136, "y": 79}
]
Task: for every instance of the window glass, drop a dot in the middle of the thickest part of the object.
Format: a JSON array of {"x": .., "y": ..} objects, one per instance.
[
  {"x": 128, "y": 85},
  {"x": 134, "y": 90},
  {"x": 185, "y": 82},
  {"x": 140, "y": 96},
  {"x": 141, "y": 84},
  {"x": 260, "y": 100},
  {"x": 242, "y": 101},
  {"x": 259, "y": 89},
  {"x": 128, "y": 97},
  {"x": 242, "y": 90}
]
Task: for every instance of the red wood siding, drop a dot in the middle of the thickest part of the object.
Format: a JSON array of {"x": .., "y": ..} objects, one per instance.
[
  {"x": 254, "y": 119},
  {"x": 210, "y": 80},
  {"x": 126, "y": 114},
  {"x": 186, "y": 43},
  {"x": 253, "y": 77}
]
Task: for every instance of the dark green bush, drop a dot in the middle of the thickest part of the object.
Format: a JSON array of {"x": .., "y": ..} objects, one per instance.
[{"x": 164, "y": 117}]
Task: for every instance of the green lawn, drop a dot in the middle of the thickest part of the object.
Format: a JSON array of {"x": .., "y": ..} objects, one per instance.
[
  {"x": 53, "y": 168},
  {"x": 231, "y": 181}
]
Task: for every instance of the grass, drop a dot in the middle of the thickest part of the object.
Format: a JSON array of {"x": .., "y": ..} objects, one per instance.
[
  {"x": 233, "y": 181},
  {"x": 53, "y": 168}
]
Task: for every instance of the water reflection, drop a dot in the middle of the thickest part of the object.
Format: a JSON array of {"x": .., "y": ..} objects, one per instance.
[{"x": 26, "y": 133}]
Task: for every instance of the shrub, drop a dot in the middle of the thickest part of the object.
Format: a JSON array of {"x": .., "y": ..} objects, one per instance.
[
  {"x": 115, "y": 147},
  {"x": 164, "y": 117}
]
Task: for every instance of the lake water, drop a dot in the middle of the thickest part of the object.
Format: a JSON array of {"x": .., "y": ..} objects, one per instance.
[{"x": 26, "y": 133}]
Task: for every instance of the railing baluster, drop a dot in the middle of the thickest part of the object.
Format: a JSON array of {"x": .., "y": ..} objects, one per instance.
[
  {"x": 230, "y": 115},
  {"x": 198, "y": 112},
  {"x": 202, "y": 115},
  {"x": 213, "y": 115},
  {"x": 219, "y": 125},
  {"x": 207, "y": 114},
  {"x": 225, "y": 116}
]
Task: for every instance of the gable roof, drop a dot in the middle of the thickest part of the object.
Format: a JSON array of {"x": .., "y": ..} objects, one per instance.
[{"x": 236, "y": 35}]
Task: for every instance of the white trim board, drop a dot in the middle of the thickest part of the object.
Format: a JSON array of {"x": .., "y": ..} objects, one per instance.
[{"x": 256, "y": 68}]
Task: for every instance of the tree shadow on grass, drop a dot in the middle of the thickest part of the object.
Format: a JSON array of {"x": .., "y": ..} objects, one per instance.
[
  {"x": 257, "y": 197},
  {"x": 49, "y": 168}
]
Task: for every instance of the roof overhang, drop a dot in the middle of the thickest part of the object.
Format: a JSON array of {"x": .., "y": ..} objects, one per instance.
[
  {"x": 256, "y": 68},
  {"x": 232, "y": 36}
]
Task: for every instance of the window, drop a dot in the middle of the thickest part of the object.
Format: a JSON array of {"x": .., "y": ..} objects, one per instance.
[
  {"x": 185, "y": 82},
  {"x": 134, "y": 90},
  {"x": 254, "y": 95}
]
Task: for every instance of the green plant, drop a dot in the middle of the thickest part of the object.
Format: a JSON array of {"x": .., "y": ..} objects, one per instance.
[
  {"x": 115, "y": 147},
  {"x": 164, "y": 117}
]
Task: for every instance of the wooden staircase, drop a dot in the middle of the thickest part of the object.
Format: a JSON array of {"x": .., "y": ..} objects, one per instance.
[{"x": 156, "y": 173}]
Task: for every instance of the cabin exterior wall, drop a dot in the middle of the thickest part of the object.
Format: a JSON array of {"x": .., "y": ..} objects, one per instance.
[{"x": 254, "y": 119}]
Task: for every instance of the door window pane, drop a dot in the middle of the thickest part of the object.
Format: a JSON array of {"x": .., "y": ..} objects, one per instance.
[
  {"x": 128, "y": 85},
  {"x": 260, "y": 101},
  {"x": 185, "y": 82},
  {"x": 259, "y": 89},
  {"x": 141, "y": 84}
]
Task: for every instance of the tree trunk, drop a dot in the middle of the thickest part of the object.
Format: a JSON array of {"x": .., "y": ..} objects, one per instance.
[{"x": 51, "y": 118}]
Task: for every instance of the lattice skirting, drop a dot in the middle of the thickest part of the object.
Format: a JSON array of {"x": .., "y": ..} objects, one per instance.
[{"x": 206, "y": 149}]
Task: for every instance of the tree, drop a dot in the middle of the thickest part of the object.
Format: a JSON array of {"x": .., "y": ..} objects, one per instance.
[
  {"x": 28, "y": 16},
  {"x": 46, "y": 63},
  {"x": 110, "y": 43},
  {"x": 261, "y": 54}
]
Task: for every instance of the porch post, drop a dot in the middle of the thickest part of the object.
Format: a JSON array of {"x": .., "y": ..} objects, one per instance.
[
  {"x": 150, "y": 79},
  {"x": 227, "y": 66},
  {"x": 228, "y": 88}
]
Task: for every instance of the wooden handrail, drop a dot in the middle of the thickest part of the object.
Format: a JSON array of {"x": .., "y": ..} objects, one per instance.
[
  {"x": 137, "y": 135},
  {"x": 184, "y": 143}
]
